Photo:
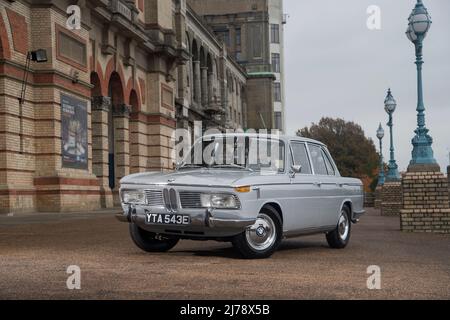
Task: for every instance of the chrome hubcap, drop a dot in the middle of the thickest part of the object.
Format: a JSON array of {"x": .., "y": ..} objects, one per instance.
[
  {"x": 262, "y": 234},
  {"x": 343, "y": 226}
]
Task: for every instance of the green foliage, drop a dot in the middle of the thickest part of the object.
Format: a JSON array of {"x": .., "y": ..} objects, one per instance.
[{"x": 354, "y": 153}]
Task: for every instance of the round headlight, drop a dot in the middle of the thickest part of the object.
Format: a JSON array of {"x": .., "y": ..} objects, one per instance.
[
  {"x": 133, "y": 197},
  {"x": 219, "y": 201},
  {"x": 223, "y": 201}
]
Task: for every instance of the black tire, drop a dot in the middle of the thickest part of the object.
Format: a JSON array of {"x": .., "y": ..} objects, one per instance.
[
  {"x": 338, "y": 238},
  {"x": 147, "y": 240},
  {"x": 247, "y": 251}
]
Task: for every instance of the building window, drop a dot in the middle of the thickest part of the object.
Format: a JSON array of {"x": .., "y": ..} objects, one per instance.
[
  {"x": 71, "y": 50},
  {"x": 238, "y": 37},
  {"x": 277, "y": 91},
  {"x": 275, "y": 33},
  {"x": 238, "y": 55},
  {"x": 226, "y": 37},
  {"x": 278, "y": 121},
  {"x": 276, "y": 63}
]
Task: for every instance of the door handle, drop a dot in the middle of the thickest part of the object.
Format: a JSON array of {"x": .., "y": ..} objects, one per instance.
[{"x": 318, "y": 184}]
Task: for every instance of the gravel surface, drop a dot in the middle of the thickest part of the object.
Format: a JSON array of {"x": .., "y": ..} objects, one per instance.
[{"x": 35, "y": 253}]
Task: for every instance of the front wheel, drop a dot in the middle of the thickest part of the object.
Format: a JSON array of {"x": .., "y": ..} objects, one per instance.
[
  {"x": 262, "y": 239},
  {"x": 148, "y": 242},
  {"x": 340, "y": 237}
]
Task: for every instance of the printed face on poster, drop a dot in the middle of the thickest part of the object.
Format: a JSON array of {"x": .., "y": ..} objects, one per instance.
[{"x": 74, "y": 143}]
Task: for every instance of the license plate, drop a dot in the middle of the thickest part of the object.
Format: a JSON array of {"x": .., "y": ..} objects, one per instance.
[{"x": 167, "y": 219}]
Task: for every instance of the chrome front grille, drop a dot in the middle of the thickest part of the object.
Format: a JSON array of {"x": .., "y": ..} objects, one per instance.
[
  {"x": 154, "y": 198},
  {"x": 190, "y": 200}
]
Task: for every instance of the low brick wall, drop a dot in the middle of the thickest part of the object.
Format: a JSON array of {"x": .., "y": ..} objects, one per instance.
[
  {"x": 425, "y": 203},
  {"x": 391, "y": 199},
  {"x": 369, "y": 199},
  {"x": 448, "y": 178},
  {"x": 377, "y": 201}
]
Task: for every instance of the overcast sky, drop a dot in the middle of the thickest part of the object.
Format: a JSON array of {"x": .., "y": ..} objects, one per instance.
[{"x": 337, "y": 67}]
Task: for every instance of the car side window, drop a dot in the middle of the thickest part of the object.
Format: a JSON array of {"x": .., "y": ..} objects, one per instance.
[
  {"x": 300, "y": 157},
  {"x": 318, "y": 161},
  {"x": 329, "y": 165}
]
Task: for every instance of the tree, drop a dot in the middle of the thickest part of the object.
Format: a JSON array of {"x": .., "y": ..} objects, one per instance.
[{"x": 354, "y": 153}]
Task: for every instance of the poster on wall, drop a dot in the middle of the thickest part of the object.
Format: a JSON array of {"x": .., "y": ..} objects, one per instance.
[{"x": 74, "y": 133}]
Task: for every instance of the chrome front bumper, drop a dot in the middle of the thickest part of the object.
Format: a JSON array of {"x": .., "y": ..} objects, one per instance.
[{"x": 200, "y": 219}]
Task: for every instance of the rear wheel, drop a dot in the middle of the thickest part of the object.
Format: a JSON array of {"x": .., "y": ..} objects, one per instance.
[
  {"x": 148, "y": 241},
  {"x": 340, "y": 237},
  {"x": 263, "y": 238}
]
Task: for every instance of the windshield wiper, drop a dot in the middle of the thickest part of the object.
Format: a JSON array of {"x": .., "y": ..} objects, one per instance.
[{"x": 235, "y": 166}]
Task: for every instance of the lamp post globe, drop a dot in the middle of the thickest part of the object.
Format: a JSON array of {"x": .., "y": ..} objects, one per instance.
[
  {"x": 380, "y": 136},
  {"x": 419, "y": 23},
  {"x": 389, "y": 103},
  {"x": 380, "y": 132},
  {"x": 389, "y": 106}
]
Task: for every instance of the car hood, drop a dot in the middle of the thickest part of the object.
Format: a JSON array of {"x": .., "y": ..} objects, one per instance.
[{"x": 195, "y": 177}]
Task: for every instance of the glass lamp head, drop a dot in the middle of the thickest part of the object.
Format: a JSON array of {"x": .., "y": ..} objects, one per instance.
[
  {"x": 389, "y": 103},
  {"x": 380, "y": 132},
  {"x": 419, "y": 22}
]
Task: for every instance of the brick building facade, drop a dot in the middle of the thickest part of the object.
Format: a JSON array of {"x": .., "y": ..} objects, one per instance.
[{"x": 107, "y": 100}]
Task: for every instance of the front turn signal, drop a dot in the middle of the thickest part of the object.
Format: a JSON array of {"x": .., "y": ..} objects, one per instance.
[{"x": 244, "y": 189}]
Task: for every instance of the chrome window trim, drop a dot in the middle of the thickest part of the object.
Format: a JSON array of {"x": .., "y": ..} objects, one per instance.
[{"x": 307, "y": 154}]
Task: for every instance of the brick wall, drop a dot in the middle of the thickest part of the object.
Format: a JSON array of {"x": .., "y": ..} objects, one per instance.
[
  {"x": 448, "y": 178},
  {"x": 425, "y": 203},
  {"x": 391, "y": 199},
  {"x": 369, "y": 199},
  {"x": 377, "y": 200}
]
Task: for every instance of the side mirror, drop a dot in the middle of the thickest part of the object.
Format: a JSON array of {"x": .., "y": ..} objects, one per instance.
[{"x": 296, "y": 168}]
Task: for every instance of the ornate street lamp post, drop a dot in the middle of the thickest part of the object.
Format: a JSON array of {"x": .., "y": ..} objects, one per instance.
[
  {"x": 380, "y": 136},
  {"x": 422, "y": 154},
  {"x": 390, "y": 105}
]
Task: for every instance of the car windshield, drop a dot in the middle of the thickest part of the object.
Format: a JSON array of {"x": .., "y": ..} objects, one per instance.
[{"x": 237, "y": 153}]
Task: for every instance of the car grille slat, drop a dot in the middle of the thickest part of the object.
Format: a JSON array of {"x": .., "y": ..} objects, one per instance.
[
  {"x": 190, "y": 200},
  {"x": 173, "y": 199},
  {"x": 154, "y": 198}
]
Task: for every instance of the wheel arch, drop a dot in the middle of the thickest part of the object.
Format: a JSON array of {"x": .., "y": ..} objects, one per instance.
[
  {"x": 349, "y": 204},
  {"x": 275, "y": 205}
]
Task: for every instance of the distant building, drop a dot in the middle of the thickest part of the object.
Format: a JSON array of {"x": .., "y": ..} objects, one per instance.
[{"x": 254, "y": 34}]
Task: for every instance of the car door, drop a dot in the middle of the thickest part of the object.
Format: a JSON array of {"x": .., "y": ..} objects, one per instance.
[
  {"x": 305, "y": 203},
  {"x": 326, "y": 180}
]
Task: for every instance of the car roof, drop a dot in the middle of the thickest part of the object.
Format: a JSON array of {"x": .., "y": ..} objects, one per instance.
[{"x": 285, "y": 138}]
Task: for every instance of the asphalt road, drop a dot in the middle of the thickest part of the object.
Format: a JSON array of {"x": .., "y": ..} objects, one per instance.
[{"x": 36, "y": 251}]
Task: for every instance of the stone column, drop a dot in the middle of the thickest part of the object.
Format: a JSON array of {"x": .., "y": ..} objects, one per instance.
[
  {"x": 391, "y": 198},
  {"x": 210, "y": 87},
  {"x": 425, "y": 202},
  {"x": 197, "y": 82},
  {"x": 101, "y": 107},
  {"x": 121, "y": 120},
  {"x": 204, "y": 85}
]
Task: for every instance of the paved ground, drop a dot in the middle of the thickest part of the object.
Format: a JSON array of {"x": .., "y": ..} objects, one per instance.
[{"x": 35, "y": 253}]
